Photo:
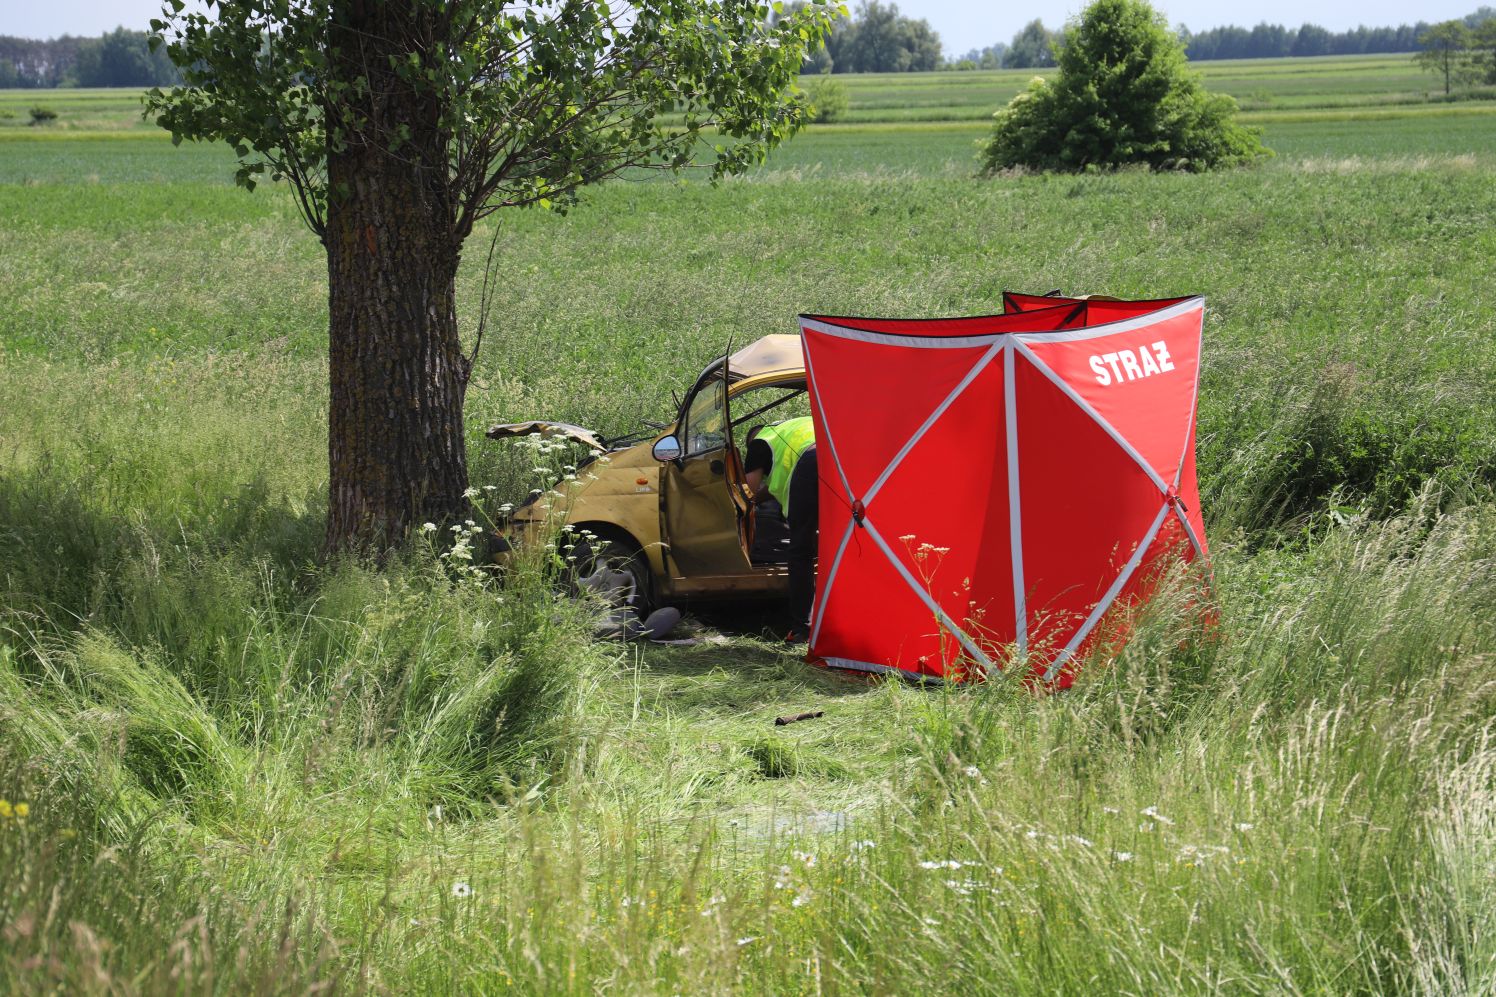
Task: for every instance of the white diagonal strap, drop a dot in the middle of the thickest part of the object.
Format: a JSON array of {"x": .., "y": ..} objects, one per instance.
[
  {"x": 919, "y": 590},
  {"x": 1106, "y": 600}
]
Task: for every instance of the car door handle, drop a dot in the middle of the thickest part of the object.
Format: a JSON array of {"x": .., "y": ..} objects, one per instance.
[{"x": 718, "y": 467}]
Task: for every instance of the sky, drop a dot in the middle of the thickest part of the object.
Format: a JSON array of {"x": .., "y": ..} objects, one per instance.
[{"x": 962, "y": 24}]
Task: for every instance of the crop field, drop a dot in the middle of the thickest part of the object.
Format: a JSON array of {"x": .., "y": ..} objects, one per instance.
[{"x": 226, "y": 766}]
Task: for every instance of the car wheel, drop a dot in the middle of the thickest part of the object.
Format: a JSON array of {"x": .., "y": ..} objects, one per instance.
[{"x": 615, "y": 568}]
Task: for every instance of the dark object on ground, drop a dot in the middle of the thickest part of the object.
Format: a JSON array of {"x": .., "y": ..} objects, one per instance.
[
  {"x": 797, "y": 717},
  {"x": 624, "y": 624}
]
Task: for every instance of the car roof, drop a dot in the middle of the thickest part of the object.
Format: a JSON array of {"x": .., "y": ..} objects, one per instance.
[{"x": 769, "y": 355}]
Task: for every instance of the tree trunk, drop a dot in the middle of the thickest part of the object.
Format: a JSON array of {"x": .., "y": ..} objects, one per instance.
[{"x": 398, "y": 375}]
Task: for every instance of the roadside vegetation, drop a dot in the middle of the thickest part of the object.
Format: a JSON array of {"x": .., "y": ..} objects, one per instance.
[
  {"x": 226, "y": 765},
  {"x": 1123, "y": 96}
]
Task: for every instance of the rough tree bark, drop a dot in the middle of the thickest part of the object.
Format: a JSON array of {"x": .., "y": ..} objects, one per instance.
[{"x": 396, "y": 450}]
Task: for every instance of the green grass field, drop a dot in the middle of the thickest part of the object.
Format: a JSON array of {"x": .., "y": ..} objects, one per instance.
[{"x": 245, "y": 770}]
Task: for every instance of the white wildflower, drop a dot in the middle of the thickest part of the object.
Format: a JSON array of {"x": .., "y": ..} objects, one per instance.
[
  {"x": 1122, "y": 856},
  {"x": 1077, "y": 839},
  {"x": 806, "y": 857},
  {"x": 428, "y": 527},
  {"x": 747, "y": 940},
  {"x": 1153, "y": 812},
  {"x": 471, "y": 493},
  {"x": 1198, "y": 854},
  {"x": 1244, "y": 827},
  {"x": 858, "y": 846},
  {"x": 461, "y": 889},
  {"x": 940, "y": 864},
  {"x": 972, "y": 772}
]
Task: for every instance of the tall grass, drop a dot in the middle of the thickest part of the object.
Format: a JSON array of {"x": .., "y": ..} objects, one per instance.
[{"x": 246, "y": 771}]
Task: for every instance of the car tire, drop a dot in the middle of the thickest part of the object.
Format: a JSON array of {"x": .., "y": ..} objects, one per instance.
[{"x": 617, "y": 553}]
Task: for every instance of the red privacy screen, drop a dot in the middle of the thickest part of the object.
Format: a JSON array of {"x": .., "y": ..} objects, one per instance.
[{"x": 994, "y": 488}]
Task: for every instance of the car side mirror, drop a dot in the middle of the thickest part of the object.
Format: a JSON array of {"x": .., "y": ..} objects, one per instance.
[{"x": 667, "y": 449}]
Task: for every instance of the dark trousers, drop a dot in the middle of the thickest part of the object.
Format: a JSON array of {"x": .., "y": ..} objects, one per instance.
[{"x": 804, "y": 522}]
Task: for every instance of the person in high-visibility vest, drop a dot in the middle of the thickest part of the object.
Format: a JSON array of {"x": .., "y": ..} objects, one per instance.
[{"x": 781, "y": 463}]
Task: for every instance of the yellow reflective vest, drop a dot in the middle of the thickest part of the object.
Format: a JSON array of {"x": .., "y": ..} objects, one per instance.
[{"x": 787, "y": 440}]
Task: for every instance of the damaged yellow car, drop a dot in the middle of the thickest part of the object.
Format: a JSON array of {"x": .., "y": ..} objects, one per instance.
[{"x": 673, "y": 508}]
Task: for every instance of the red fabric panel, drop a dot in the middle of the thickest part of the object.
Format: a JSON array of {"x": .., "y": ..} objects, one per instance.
[
  {"x": 1142, "y": 382},
  {"x": 870, "y": 614},
  {"x": 1169, "y": 547},
  {"x": 1098, "y": 312},
  {"x": 1101, "y": 312},
  {"x": 1015, "y": 302},
  {"x": 951, "y": 492},
  {"x": 877, "y": 396},
  {"x": 1086, "y": 507},
  {"x": 1086, "y": 504},
  {"x": 974, "y": 325}
]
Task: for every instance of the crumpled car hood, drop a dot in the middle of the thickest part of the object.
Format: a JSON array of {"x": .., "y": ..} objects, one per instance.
[{"x": 586, "y": 437}]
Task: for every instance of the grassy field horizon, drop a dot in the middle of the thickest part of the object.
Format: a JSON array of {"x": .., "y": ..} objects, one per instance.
[{"x": 227, "y": 765}]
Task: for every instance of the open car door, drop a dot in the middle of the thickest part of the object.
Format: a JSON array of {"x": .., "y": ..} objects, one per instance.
[{"x": 704, "y": 505}]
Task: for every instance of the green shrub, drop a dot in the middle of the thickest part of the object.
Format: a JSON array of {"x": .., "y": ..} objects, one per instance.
[
  {"x": 1123, "y": 95},
  {"x": 827, "y": 98},
  {"x": 43, "y": 115}
]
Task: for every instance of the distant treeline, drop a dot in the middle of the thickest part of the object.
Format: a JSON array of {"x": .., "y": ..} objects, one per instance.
[
  {"x": 1034, "y": 45},
  {"x": 1274, "y": 41},
  {"x": 875, "y": 39},
  {"x": 119, "y": 58}
]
